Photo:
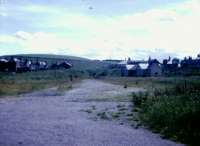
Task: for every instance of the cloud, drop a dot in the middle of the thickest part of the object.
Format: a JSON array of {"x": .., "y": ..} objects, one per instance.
[
  {"x": 3, "y": 11},
  {"x": 3, "y": 14},
  {"x": 23, "y": 35},
  {"x": 39, "y": 9},
  {"x": 171, "y": 30}
]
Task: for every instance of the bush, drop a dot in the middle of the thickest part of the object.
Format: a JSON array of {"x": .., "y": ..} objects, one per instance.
[
  {"x": 174, "y": 112},
  {"x": 139, "y": 98}
]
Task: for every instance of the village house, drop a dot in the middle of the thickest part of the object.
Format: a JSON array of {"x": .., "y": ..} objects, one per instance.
[
  {"x": 132, "y": 70},
  {"x": 154, "y": 68},
  {"x": 170, "y": 66},
  {"x": 191, "y": 63},
  {"x": 140, "y": 68}
]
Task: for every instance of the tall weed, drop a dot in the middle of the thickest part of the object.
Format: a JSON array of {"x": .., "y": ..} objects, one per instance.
[{"x": 173, "y": 111}]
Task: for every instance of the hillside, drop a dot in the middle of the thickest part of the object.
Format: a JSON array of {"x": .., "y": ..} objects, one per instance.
[
  {"x": 48, "y": 56},
  {"x": 78, "y": 63}
]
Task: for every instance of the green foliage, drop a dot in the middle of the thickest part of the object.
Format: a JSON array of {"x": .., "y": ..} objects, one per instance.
[
  {"x": 139, "y": 98},
  {"x": 173, "y": 111},
  {"x": 115, "y": 115},
  {"x": 103, "y": 115}
]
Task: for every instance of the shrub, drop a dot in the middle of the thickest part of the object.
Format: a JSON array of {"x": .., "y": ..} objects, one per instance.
[
  {"x": 174, "y": 111},
  {"x": 125, "y": 85},
  {"x": 139, "y": 98}
]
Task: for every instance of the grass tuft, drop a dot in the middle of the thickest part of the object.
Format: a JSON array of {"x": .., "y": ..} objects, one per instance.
[{"x": 173, "y": 111}]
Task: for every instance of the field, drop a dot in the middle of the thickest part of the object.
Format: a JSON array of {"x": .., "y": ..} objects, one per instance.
[
  {"x": 15, "y": 84},
  {"x": 148, "y": 83}
]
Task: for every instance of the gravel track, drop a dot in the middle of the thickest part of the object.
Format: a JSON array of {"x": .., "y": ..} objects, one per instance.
[{"x": 45, "y": 119}]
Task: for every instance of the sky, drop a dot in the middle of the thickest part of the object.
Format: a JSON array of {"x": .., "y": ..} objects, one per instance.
[{"x": 101, "y": 29}]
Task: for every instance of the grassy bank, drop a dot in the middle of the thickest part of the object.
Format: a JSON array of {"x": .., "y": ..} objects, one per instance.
[
  {"x": 14, "y": 84},
  {"x": 169, "y": 106},
  {"x": 173, "y": 111}
]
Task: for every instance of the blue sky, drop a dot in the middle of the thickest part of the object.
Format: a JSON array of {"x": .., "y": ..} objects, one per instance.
[{"x": 101, "y": 29}]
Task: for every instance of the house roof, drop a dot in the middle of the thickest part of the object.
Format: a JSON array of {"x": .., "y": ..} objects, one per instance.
[
  {"x": 154, "y": 61},
  {"x": 68, "y": 63},
  {"x": 132, "y": 67},
  {"x": 124, "y": 62},
  {"x": 144, "y": 66},
  {"x": 65, "y": 64},
  {"x": 3, "y": 60},
  {"x": 16, "y": 59}
]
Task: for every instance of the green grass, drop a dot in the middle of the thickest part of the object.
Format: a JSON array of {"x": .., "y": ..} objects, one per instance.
[
  {"x": 173, "y": 111},
  {"x": 148, "y": 83},
  {"x": 103, "y": 115},
  {"x": 15, "y": 84},
  {"x": 170, "y": 106},
  {"x": 115, "y": 115},
  {"x": 143, "y": 82}
]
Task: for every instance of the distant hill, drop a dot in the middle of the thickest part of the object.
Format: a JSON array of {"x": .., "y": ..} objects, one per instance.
[
  {"x": 48, "y": 56},
  {"x": 113, "y": 61},
  {"x": 78, "y": 63}
]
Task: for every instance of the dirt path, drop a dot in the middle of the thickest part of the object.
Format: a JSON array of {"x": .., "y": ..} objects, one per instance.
[{"x": 45, "y": 119}]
